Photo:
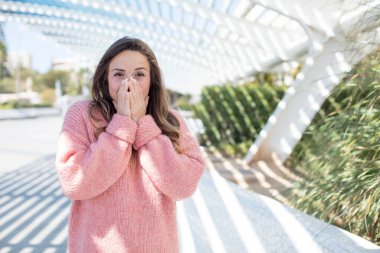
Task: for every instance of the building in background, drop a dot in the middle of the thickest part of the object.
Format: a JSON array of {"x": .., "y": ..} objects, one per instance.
[
  {"x": 18, "y": 59},
  {"x": 65, "y": 64}
]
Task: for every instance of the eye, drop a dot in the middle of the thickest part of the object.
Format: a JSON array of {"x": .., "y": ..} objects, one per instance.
[
  {"x": 139, "y": 74},
  {"x": 118, "y": 74}
]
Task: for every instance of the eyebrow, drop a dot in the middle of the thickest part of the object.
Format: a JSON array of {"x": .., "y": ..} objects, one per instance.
[{"x": 116, "y": 69}]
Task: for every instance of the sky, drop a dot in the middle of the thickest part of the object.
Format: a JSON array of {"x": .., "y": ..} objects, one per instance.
[{"x": 18, "y": 37}]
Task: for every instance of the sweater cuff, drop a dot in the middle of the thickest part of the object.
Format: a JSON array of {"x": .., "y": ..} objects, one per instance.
[
  {"x": 146, "y": 131},
  {"x": 122, "y": 127}
]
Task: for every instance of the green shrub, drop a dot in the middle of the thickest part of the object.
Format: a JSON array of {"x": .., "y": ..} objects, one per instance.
[
  {"x": 48, "y": 96},
  {"x": 19, "y": 103},
  {"x": 234, "y": 115}
]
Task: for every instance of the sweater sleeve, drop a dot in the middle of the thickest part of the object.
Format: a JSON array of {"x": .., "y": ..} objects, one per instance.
[
  {"x": 88, "y": 169},
  {"x": 174, "y": 174}
]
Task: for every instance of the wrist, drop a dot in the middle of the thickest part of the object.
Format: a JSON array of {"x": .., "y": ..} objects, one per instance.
[
  {"x": 138, "y": 117},
  {"x": 124, "y": 114}
]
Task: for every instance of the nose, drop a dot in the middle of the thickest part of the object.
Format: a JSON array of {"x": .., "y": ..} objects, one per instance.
[
  {"x": 126, "y": 79},
  {"x": 129, "y": 77}
]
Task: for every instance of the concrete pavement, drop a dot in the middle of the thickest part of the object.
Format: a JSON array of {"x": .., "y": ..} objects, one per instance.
[
  {"x": 25, "y": 113},
  {"x": 219, "y": 217},
  {"x": 25, "y": 140}
]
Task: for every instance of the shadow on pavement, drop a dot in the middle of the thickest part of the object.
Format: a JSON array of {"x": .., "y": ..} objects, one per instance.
[{"x": 33, "y": 209}]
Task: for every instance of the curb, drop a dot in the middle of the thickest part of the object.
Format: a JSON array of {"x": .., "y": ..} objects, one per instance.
[{"x": 27, "y": 113}]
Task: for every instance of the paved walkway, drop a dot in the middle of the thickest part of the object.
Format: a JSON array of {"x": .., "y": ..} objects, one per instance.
[
  {"x": 33, "y": 210},
  {"x": 25, "y": 140},
  {"x": 24, "y": 113},
  {"x": 269, "y": 179},
  {"x": 220, "y": 217}
]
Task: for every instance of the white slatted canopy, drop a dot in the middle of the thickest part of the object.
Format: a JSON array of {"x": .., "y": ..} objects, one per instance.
[
  {"x": 197, "y": 42},
  {"x": 205, "y": 42}
]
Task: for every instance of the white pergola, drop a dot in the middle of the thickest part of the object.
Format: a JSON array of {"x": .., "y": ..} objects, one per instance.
[{"x": 204, "y": 42}]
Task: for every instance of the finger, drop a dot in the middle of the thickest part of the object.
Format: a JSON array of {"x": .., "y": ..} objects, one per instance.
[
  {"x": 138, "y": 90},
  {"x": 126, "y": 85},
  {"x": 123, "y": 83},
  {"x": 133, "y": 84},
  {"x": 136, "y": 84},
  {"x": 132, "y": 92},
  {"x": 133, "y": 81},
  {"x": 130, "y": 86},
  {"x": 121, "y": 92},
  {"x": 121, "y": 88},
  {"x": 128, "y": 99},
  {"x": 129, "y": 103}
]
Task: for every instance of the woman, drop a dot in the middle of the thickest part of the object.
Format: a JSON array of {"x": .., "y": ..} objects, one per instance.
[{"x": 125, "y": 159}]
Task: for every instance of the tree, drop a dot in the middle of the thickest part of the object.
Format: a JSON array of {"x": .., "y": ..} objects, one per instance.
[
  {"x": 3, "y": 56},
  {"x": 7, "y": 85},
  {"x": 48, "y": 79}
]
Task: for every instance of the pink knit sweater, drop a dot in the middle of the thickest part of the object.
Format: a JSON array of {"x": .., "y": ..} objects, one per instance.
[{"x": 117, "y": 208}]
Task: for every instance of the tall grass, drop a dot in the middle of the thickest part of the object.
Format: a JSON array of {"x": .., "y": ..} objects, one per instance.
[{"x": 340, "y": 155}]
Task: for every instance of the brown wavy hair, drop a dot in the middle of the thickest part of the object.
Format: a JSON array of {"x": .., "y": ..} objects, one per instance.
[{"x": 158, "y": 105}]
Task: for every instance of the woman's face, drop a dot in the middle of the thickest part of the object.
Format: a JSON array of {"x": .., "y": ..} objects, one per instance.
[{"x": 125, "y": 65}]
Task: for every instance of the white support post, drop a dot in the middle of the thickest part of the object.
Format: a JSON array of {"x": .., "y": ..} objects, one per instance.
[
  {"x": 323, "y": 71},
  {"x": 302, "y": 101}
]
